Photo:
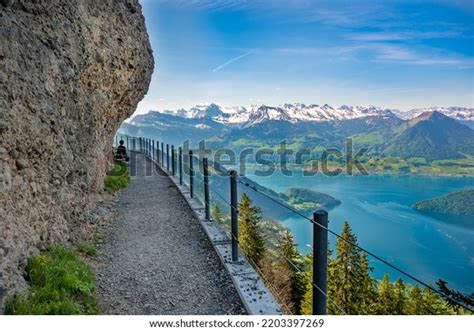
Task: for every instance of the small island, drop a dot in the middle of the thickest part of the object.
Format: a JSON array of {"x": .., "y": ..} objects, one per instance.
[
  {"x": 456, "y": 203},
  {"x": 306, "y": 199}
]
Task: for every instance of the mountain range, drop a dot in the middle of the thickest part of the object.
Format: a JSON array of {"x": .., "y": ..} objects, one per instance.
[
  {"x": 299, "y": 112},
  {"x": 433, "y": 133}
]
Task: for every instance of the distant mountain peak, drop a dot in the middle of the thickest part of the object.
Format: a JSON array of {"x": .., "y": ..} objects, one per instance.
[
  {"x": 434, "y": 115},
  {"x": 433, "y": 135}
]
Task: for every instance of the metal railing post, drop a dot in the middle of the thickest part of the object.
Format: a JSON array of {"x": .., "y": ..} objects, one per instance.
[
  {"x": 162, "y": 155},
  {"x": 233, "y": 215},
  {"x": 320, "y": 259},
  {"x": 207, "y": 206},
  {"x": 153, "y": 150},
  {"x": 173, "y": 164},
  {"x": 191, "y": 175},
  {"x": 128, "y": 146},
  {"x": 157, "y": 156},
  {"x": 167, "y": 157},
  {"x": 180, "y": 165}
]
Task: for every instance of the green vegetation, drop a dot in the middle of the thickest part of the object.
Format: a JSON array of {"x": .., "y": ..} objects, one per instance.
[
  {"x": 455, "y": 203},
  {"x": 351, "y": 287},
  {"x": 117, "y": 178},
  {"x": 399, "y": 165},
  {"x": 306, "y": 199},
  {"x": 250, "y": 234},
  {"x": 99, "y": 238},
  {"x": 59, "y": 284},
  {"x": 86, "y": 248}
]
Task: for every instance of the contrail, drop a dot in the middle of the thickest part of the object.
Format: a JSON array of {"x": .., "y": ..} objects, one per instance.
[{"x": 231, "y": 61}]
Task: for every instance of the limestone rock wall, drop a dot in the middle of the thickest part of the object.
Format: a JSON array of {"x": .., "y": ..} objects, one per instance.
[{"x": 70, "y": 72}]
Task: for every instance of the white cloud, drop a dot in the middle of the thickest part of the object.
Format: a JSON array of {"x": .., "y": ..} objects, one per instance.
[
  {"x": 403, "y": 54},
  {"x": 404, "y": 35},
  {"x": 385, "y": 52}
]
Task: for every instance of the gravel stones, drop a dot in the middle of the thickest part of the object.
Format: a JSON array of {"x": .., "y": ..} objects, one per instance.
[{"x": 158, "y": 260}]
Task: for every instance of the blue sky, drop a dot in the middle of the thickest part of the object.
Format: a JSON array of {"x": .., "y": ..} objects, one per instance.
[{"x": 397, "y": 54}]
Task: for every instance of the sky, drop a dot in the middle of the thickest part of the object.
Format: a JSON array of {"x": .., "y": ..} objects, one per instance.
[{"x": 395, "y": 54}]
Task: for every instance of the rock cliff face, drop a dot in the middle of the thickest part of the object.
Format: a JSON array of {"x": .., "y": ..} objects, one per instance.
[{"x": 70, "y": 72}]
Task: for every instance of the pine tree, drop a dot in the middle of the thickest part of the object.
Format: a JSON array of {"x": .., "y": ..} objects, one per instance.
[
  {"x": 251, "y": 239},
  {"x": 368, "y": 293},
  {"x": 455, "y": 296},
  {"x": 415, "y": 302},
  {"x": 385, "y": 298},
  {"x": 280, "y": 278},
  {"x": 217, "y": 214},
  {"x": 399, "y": 298},
  {"x": 433, "y": 304},
  {"x": 290, "y": 262},
  {"x": 307, "y": 303},
  {"x": 348, "y": 269}
]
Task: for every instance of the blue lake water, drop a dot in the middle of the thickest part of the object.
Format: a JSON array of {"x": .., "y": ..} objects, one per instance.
[{"x": 380, "y": 214}]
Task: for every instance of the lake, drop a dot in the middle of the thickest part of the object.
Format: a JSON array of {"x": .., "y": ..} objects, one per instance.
[{"x": 380, "y": 214}]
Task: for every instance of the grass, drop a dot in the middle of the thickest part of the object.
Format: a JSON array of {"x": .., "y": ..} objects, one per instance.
[
  {"x": 99, "y": 238},
  {"x": 86, "y": 248},
  {"x": 59, "y": 284},
  {"x": 117, "y": 178}
]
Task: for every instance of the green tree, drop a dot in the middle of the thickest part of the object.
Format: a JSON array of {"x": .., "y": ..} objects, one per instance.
[
  {"x": 368, "y": 293},
  {"x": 217, "y": 214},
  {"x": 290, "y": 260},
  {"x": 349, "y": 286},
  {"x": 415, "y": 302},
  {"x": 307, "y": 303},
  {"x": 399, "y": 298},
  {"x": 455, "y": 296},
  {"x": 433, "y": 304},
  {"x": 386, "y": 296},
  {"x": 251, "y": 239}
]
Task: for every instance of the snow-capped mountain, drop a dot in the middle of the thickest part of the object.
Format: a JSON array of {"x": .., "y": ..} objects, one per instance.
[
  {"x": 458, "y": 113},
  {"x": 299, "y": 112}
]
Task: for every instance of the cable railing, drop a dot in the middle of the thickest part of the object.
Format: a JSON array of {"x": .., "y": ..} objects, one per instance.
[{"x": 217, "y": 187}]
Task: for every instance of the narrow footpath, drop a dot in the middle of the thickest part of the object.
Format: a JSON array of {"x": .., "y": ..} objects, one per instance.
[{"x": 157, "y": 259}]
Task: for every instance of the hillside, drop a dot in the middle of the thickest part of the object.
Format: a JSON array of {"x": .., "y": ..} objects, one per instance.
[
  {"x": 306, "y": 199},
  {"x": 433, "y": 136},
  {"x": 456, "y": 203}
]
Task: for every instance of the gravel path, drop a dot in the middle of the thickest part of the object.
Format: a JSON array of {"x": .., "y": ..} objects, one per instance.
[{"x": 157, "y": 259}]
